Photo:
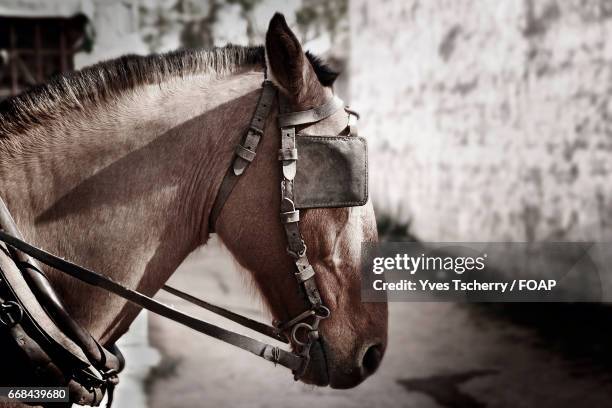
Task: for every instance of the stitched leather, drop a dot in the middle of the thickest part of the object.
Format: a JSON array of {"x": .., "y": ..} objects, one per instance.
[{"x": 332, "y": 172}]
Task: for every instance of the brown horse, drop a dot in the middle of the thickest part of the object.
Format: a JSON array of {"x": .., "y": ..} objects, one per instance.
[{"x": 116, "y": 167}]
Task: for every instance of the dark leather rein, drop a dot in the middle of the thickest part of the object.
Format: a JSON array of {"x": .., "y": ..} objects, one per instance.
[{"x": 304, "y": 328}]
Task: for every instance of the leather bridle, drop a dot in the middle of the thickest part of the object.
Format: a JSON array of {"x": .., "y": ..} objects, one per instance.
[
  {"x": 304, "y": 328},
  {"x": 307, "y": 322}
]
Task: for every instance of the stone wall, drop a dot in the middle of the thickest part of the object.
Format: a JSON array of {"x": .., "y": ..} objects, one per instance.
[{"x": 487, "y": 119}]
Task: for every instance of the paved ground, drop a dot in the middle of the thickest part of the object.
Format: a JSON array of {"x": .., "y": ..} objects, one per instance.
[{"x": 440, "y": 355}]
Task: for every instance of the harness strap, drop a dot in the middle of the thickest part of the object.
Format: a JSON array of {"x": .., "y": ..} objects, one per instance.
[
  {"x": 245, "y": 152},
  {"x": 353, "y": 118},
  {"x": 289, "y": 164},
  {"x": 227, "y": 185},
  {"x": 261, "y": 349},
  {"x": 228, "y": 314},
  {"x": 290, "y": 216},
  {"x": 317, "y": 114},
  {"x": 95, "y": 353}
]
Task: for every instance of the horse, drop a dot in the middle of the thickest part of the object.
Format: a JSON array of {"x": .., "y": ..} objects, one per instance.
[{"x": 117, "y": 166}]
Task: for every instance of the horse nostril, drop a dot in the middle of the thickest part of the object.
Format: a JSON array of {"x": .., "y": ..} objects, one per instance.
[{"x": 371, "y": 359}]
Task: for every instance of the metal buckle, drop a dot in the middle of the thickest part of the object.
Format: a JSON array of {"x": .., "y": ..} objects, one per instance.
[
  {"x": 311, "y": 331},
  {"x": 297, "y": 255},
  {"x": 256, "y": 130},
  {"x": 11, "y": 313},
  {"x": 312, "y": 337}
]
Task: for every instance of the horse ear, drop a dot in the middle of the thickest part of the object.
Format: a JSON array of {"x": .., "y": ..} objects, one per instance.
[{"x": 285, "y": 57}]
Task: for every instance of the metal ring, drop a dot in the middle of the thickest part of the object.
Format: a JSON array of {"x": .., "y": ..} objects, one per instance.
[
  {"x": 6, "y": 318},
  {"x": 280, "y": 325},
  {"x": 294, "y": 331},
  {"x": 325, "y": 312}
]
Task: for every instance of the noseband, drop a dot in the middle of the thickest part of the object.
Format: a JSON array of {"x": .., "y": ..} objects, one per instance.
[{"x": 304, "y": 328}]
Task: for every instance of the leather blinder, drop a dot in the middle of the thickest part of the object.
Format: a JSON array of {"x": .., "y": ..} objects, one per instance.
[{"x": 332, "y": 172}]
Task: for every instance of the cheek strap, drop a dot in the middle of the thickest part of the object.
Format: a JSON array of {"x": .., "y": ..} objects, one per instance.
[{"x": 304, "y": 329}]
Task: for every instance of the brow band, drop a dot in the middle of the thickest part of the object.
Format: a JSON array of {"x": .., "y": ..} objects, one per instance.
[{"x": 312, "y": 115}]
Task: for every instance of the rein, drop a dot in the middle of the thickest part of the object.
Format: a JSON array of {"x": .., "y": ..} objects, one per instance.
[
  {"x": 304, "y": 328},
  {"x": 90, "y": 277}
]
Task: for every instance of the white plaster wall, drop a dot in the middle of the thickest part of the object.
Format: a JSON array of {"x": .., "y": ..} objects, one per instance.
[{"x": 488, "y": 120}]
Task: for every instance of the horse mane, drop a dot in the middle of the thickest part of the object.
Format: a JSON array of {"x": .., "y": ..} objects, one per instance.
[
  {"x": 105, "y": 80},
  {"x": 101, "y": 82}
]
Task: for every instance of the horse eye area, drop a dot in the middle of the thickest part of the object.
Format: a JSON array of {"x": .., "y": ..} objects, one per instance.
[{"x": 372, "y": 358}]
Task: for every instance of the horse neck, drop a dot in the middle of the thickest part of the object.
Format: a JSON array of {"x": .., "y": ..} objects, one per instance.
[{"x": 126, "y": 189}]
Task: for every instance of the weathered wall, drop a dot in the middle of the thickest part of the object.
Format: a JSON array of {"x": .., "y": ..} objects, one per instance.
[
  {"x": 115, "y": 26},
  {"x": 488, "y": 120}
]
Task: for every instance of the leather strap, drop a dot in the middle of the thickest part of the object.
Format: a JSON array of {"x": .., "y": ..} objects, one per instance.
[
  {"x": 287, "y": 154},
  {"x": 228, "y": 314},
  {"x": 256, "y": 129},
  {"x": 289, "y": 165},
  {"x": 352, "y": 124},
  {"x": 227, "y": 185},
  {"x": 295, "y": 244},
  {"x": 37, "y": 280},
  {"x": 245, "y": 152},
  {"x": 290, "y": 216},
  {"x": 266, "y": 351},
  {"x": 317, "y": 114},
  {"x": 305, "y": 274}
]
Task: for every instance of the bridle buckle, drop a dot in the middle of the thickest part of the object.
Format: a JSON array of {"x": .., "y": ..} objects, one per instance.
[{"x": 295, "y": 254}]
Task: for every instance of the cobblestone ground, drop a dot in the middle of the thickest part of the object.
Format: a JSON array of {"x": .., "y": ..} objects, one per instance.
[{"x": 439, "y": 355}]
